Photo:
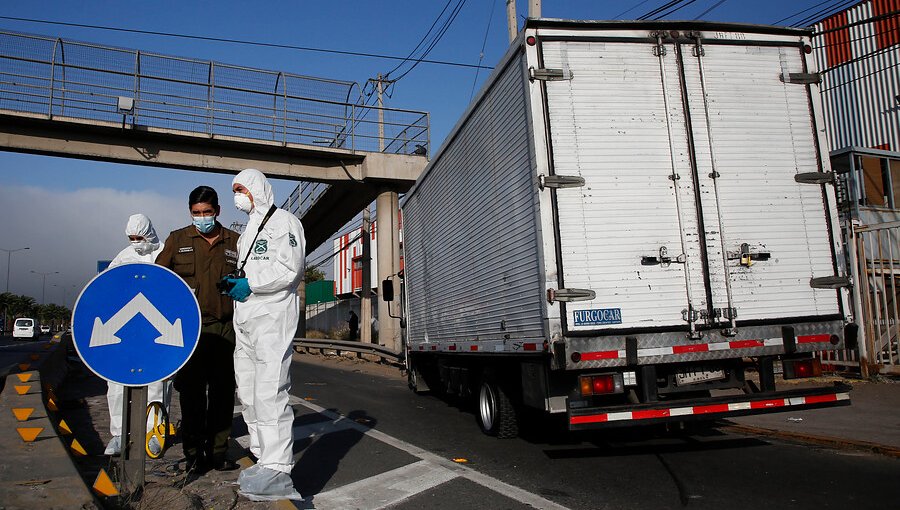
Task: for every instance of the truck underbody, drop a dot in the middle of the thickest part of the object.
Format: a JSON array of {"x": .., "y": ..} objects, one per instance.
[{"x": 503, "y": 386}]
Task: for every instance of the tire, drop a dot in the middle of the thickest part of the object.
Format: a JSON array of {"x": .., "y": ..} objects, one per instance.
[{"x": 496, "y": 412}]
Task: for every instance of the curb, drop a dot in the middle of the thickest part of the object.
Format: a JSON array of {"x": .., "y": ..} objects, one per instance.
[
  {"x": 829, "y": 441},
  {"x": 40, "y": 472}
]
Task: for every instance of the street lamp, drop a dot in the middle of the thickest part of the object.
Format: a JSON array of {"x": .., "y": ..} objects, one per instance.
[
  {"x": 8, "y": 256},
  {"x": 44, "y": 284}
]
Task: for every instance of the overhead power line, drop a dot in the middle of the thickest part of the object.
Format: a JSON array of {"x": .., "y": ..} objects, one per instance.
[
  {"x": 858, "y": 22},
  {"x": 245, "y": 42},
  {"x": 626, "y": 11},
  {"x": 824, "y": 13},
  {"x": 674, "y": 9},
  {"x": 662, "y": 8},
  {"x": 798, "y": 13},
  {"x": 487, "y": 30},
  {"x": 707, "y": 11},
  {"x": 435, "y": 39},
  {"x": 424, "y": 38}
]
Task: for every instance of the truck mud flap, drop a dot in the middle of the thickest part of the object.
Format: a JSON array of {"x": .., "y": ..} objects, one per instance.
[{"x": 712, "y": 408}]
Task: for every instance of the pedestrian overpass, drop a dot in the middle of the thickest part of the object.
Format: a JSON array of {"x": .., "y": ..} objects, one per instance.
[
  {"x": 88, "y": 101},
  {"x": 81, "y": 100}
]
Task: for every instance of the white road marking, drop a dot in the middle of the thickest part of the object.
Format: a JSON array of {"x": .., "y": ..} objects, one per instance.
[
  {"x": 374, "y": 492},
  {"x": 434, "y": 461},
  {"x": 385, "y": 489}
]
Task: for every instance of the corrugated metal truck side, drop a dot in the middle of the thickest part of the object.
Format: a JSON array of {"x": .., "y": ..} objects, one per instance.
[{"x": 633, "y": 223}]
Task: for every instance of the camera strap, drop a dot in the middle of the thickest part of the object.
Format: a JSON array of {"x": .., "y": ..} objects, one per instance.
[{"x": 260, "y": 229}]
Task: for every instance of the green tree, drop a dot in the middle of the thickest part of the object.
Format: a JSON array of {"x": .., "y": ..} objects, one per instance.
[
  {"x": 5, "y": 299},
  {"x": 22, "y": 306},
  {"x": 313, "y": 275}
]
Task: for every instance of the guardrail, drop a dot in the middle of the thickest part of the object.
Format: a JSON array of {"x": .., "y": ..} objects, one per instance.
[{"x": 340, "y": 346}]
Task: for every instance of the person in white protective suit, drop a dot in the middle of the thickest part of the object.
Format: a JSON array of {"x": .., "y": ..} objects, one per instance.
[
  {"x": 144, "y": 246},
  {"x": 266, "y": 313}
]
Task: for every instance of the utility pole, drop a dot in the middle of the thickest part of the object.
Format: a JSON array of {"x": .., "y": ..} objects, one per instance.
[
  {"x": 511, "y": 22},
  {"x": 534, "y": 8},
  {"x": 44, "y": 284},
  {"x": 387, "y": 233},
  {"x": 380, "y": 113}
]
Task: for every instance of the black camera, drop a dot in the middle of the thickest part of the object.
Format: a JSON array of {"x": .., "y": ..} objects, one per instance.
[{"x": 225, "y": 286}]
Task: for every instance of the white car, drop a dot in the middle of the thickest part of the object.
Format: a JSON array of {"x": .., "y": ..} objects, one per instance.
[
  {"x": 24, "y": 328},
  {"x": 45, "y": 330}
]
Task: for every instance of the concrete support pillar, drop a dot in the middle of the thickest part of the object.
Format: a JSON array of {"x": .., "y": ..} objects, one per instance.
[
  {"x": 365, "y": 295},
  {"x": 387, "y": 237}
]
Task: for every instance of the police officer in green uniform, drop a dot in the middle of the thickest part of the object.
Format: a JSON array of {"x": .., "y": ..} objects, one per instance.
[{"x": 202, "y": 254}]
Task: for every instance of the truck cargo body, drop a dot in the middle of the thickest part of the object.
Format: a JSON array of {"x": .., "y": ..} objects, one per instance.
[{"x": 644, "y": 207}]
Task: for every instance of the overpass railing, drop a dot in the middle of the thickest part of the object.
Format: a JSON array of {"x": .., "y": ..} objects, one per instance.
[{"x": 62, "y": 79}]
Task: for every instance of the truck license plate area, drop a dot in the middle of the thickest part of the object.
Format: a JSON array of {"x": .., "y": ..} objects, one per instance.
[{"x": 687, "y": 377}]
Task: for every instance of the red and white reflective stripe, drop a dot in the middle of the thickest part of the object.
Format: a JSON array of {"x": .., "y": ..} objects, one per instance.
[
  {"x": 813, "y": 339},
  {"x": 709, "y": 347},
  {"x": 708, "y": 409}
]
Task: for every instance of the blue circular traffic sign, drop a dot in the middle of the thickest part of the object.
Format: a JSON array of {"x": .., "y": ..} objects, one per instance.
[{"x": 136, "y": 324}]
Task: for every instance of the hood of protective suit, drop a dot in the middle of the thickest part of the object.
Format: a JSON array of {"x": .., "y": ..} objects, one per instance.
[
  {"x": 259, "y": 187},
  {"x": 140, "y": 225}
]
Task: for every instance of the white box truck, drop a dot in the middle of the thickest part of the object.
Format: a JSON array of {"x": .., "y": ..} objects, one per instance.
[{"x": 633, "y": 223}]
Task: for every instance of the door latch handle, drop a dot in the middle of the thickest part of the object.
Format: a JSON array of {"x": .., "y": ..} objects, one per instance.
[
  {"x": 747, "y": 257},
  {"x": 663, "y": 258}
]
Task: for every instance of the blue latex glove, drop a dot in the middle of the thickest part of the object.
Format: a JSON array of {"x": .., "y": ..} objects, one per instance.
[{"x": 240, "y": 290}]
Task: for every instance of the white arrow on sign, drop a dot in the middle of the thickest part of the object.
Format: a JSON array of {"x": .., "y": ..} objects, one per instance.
[{"x": 105, "y": 334}]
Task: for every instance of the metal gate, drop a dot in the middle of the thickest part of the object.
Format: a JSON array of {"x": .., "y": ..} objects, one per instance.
[{"x": 874, "y": 252}]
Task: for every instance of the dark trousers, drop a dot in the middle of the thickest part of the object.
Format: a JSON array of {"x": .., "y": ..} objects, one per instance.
[{"x": 206, "y": 388}]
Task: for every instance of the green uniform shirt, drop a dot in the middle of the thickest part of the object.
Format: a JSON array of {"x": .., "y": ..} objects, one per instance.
[{"x": 202, "y": 265}]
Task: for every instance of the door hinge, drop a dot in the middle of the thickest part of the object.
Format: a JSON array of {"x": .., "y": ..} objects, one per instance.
[
  {"x": 561, "y": 181},
  {"x": 815, "y": 178},
  {"x": 568, "y": 295},
  {"x": 801, "y": 78},
  {"x": 830, "y": 282},
  {"x": 549, "y": 74}
]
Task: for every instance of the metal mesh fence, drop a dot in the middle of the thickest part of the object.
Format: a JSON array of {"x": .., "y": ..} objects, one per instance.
[{"x": 58, "y": 78}]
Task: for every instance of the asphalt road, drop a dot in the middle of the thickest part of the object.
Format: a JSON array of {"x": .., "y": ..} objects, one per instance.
[
  {"x": 16, "y": 350},
  {"x": 413, "y": 439}
]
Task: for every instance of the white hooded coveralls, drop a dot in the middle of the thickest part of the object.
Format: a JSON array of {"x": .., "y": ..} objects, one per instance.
[
  {"x": 138, "y": 225},
  {"x": 265, "y": 324}
]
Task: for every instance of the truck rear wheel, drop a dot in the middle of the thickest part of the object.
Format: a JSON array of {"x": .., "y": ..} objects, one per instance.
[{"x": 496, "y": 413}]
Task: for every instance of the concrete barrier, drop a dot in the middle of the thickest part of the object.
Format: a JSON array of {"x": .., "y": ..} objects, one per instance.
[{"x": 37, "y": 471}]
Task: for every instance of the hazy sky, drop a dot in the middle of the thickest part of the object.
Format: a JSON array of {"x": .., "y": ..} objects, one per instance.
[{"x": 72, "y": 213}]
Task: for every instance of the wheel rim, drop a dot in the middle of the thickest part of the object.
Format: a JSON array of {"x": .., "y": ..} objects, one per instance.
[
  {"x": 159, "y": 429},
  {"x": 487, "y": 406}
]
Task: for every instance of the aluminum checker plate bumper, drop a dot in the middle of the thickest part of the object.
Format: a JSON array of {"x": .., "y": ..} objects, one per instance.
[{"x": 711, "y": 408}]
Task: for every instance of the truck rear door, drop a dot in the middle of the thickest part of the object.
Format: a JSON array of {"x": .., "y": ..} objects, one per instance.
[{"x": 691, "y": 215}]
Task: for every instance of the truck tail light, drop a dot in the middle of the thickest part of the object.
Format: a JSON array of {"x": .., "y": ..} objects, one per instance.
[
  {"x": 603, "y": 384},
  {"x": 801, "y": 368}
]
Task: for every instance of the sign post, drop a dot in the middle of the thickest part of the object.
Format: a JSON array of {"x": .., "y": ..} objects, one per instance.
[{"x": 134, "y": 325}]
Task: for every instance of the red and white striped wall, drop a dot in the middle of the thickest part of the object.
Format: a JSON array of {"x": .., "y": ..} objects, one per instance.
[
  {"x": 347, "y": 262},
  {"x": 859, "y": 49}
]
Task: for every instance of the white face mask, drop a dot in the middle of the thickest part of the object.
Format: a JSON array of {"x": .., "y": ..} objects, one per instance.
[
  {"x": 142, "y": 247},
  {"x": 243, "y": 203}
]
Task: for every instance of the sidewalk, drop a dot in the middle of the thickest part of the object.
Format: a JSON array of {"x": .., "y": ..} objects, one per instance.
[{"x": 871, "y": 422}]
